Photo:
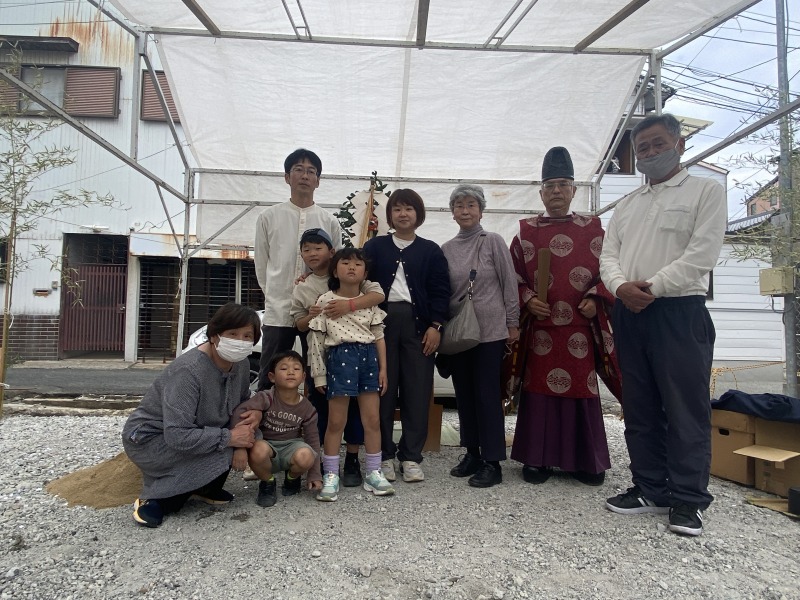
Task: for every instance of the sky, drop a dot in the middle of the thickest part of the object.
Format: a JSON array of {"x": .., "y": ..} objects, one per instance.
[{"x": 722, "y": 77}]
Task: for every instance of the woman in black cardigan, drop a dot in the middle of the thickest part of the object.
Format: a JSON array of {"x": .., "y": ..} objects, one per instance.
[{"x": 413, "y": 274}]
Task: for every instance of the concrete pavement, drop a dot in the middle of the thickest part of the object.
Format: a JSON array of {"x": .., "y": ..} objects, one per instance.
[{"x": 79, "y": 377}]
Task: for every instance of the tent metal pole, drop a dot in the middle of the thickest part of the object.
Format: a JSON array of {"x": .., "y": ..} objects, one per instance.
[
  {"x": 99, "y": 6},
  {"x": 201, "y": 15},
  {"x": 382, "y": 43},
  {"x": 294, "y": 25},
  {"x": 169, "y": 220},
  {"x": 708, "y": 26},
  {"x": 136, "y": 93},
  {"x": 280, "y": 174},
  {"x": 618, "y": 18},
  {"x": 516, "y": 23},
  {"x": 788, "y": 206},
  {"x": 221, "y": 230},
  {"x": 656, "y": 62},
  {"x": 497, "y": 29},
  {"x": 162, "y": 100},
  {"x": 624, "y": 126},
  {"x": 305, "y": 21},
  {"x": 97, "y": 139},
  {"x": 182, "y": 289},
  {"x": 732, "y": 139},
  {"x": 422, "y": 21}
]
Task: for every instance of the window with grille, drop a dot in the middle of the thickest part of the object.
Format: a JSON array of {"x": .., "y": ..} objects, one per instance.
[
  {"x": 151, "y": 107},
  {"x": 80, "y": 91}
]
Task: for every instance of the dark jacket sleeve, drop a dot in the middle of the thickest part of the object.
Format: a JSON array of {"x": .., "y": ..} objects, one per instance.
[{"x": 438, "y": 286}]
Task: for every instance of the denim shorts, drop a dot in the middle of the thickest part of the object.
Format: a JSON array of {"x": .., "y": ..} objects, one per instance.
[{"x": 352, "y": 369}]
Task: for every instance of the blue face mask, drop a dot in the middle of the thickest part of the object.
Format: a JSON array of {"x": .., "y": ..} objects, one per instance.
[{"x": 660, "y": 165}]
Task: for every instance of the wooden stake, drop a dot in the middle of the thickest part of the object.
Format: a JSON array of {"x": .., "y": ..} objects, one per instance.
[{"x": 543, "y": 276}]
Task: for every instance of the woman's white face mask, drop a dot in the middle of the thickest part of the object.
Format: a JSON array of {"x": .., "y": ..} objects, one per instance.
[{"x": 233, "y": 350}]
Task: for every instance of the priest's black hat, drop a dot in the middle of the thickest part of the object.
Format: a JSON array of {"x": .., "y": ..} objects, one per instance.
[{"x": 557, "y": 163}]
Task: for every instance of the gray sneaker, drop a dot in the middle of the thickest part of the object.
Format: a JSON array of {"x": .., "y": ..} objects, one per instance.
[
  {"x": 376, "y": 483},
  {"x": 330, "y": 488},
  {"x": 387, "y": 467},
  {"x": 411, "y": 471}
]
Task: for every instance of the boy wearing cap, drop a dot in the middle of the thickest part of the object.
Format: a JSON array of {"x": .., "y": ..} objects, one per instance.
[
  {"x": 277, "y": 257},
  {"x": 316, "y": 250}
]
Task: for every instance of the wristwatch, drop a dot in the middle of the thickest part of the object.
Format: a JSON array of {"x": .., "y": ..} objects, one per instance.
[{"x": 437, "y": 326}]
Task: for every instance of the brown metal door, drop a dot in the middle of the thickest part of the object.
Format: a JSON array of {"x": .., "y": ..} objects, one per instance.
[{"x": 93, "y": 312}]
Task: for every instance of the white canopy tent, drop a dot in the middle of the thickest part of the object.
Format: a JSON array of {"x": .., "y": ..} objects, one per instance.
[{"x": 426, "y": 93}]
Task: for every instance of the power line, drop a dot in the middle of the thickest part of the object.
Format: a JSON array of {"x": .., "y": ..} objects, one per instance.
[
  {"x": 747, "y": 14},
  {"x": 123, "y": 166},
  {"x": 749, "y": 42},
  {"x": 706, "y": 82}
]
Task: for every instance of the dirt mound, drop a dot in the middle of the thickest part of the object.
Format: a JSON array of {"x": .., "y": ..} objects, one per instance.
[{"x": 114, "y": 482}]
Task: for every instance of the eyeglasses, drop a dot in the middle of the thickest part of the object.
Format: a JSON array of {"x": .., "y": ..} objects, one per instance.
[
  {"x": 659, "y": 145},
  {"x": 310, "y": 171},
  {"x": 551, "y": 185}
]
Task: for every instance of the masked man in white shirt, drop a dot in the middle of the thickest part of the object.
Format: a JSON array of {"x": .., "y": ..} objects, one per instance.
[
  {"x": 277, "y": 252},
  {"x": 661, "y": 244}
]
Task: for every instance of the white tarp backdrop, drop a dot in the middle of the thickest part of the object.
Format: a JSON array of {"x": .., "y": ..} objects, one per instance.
[{"x": 477, "y": 103}]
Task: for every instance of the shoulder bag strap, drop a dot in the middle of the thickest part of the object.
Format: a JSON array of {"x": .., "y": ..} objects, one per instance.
[{"x": 474, "y": 271}]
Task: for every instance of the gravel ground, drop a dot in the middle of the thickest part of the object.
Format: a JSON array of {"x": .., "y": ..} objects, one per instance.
[{"x": 437, "y": 539}]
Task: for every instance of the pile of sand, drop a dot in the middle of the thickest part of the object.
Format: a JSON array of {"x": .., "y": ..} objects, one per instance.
[
  {"x": 118, "y": 481},
  {"x": 114, "y": 482}
]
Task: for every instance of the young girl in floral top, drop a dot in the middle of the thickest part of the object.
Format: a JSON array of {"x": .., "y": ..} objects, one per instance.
[{"x": 348, "y": 357}]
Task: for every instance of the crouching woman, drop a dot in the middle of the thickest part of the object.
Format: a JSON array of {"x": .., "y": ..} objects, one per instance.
[{"x": 179, "y": 435}]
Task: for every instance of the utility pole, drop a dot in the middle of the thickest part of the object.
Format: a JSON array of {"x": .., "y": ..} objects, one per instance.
[{"x": 786, "y": 199}]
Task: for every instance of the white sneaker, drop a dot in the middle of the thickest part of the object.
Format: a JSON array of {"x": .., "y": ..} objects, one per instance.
[
  {"x": 330, "y": 488},
  {"x": 248, "y": 475},
  {"x": 411, "y": 471},
  {"x": 375, "y": 482},
  {"x": 387, "y": 468}
]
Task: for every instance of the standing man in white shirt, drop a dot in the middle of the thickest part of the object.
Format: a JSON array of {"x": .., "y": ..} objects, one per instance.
[
  {"x": 277, "y": 252},
  {"x": 661, "y": 244}
]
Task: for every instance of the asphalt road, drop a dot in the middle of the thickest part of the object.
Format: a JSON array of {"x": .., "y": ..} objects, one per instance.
[{"x": 80, "y": 379}]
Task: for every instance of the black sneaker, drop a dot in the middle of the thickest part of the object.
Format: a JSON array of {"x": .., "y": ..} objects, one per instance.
[
  {"x": 351, "y": 474},
  {"x": 148, "y": 513},
  {"x": 469, "y": 465},
  {"x": 633, "y": 502},
  {"x": 213, "y": 496},
  {"x": 686, "y": 519},
  {"x": 290, "y": 487},
  {"x": 266, "y": 493},
  {"x": 487, "y": 476},
  {"x": 536, "y": 475}
]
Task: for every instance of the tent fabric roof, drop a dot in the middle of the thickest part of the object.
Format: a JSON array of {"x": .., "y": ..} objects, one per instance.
[
  {"x": 542, "y": 23},
  {"x": 493, "y": 87}
]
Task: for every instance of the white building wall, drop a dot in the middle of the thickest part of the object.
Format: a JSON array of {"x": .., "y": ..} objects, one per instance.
[
  {"x": 749, "y": 326},
  {"x": 138, "y": 211}
]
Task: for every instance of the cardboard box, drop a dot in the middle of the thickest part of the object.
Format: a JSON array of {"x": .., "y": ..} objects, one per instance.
[
  {"x": 731, "y": 431},
  {"x": 777, "y": 454}
]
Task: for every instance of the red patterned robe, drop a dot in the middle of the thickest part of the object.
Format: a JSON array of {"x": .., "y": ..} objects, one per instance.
[{"x": 560, "y": 422}]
